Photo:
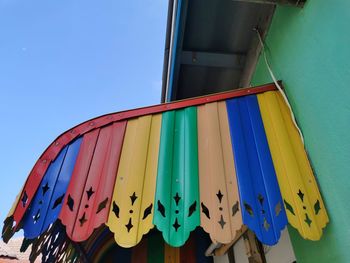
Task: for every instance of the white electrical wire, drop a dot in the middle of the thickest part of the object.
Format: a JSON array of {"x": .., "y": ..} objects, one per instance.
[{"x": 278, "y": 85}]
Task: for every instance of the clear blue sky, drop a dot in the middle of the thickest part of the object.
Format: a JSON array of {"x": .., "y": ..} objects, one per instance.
[{"x": 63, "y": 62}]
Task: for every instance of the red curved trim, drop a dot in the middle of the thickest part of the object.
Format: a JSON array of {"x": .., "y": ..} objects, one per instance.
[{"x": 61, "y": 141}]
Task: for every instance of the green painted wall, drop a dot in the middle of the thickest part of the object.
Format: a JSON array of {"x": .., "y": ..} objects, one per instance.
[{"x": 309, "y": 49}]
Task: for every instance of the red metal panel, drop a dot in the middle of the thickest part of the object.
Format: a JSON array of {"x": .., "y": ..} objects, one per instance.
[
  {"x": 95, "y": 201},
  {"x": 76, "y": 186},
  {"x": 52, "y": 151}
]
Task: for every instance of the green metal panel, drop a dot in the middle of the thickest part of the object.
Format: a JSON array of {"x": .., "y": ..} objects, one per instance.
[
  {"x": 177, "y": 213},
  {"x": 309, "y": 50}
]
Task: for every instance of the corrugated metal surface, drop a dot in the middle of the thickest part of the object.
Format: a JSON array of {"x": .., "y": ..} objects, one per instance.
[
  {"x": 305, "y": 209},
  {"x": 177, "y": 193},
  {"x": 132, "y": 207},
  {"x": 220, "y": 205},
  {"x": 259, "y": 192},
  {"x": 182, "y": 166},
  {"x": 49, "y": 196},
  {"x": 88, "y": 198}
]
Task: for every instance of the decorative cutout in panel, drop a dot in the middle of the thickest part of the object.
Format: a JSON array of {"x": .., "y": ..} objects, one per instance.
[
  {"x": 176, "y": 207},
  {"x": 93, "y": 181},
  {"x": 133, "y": 195},
  {"x": 302, "y": 199},
  {"x": 47, "y": 201},
  {"x": 217, "y": 176},
  {"x": 177, "y": 195},
  {"x": 257, "y": 182}
]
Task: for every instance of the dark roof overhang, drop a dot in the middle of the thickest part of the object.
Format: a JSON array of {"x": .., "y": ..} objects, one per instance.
[{"x": 211, "y": 46}]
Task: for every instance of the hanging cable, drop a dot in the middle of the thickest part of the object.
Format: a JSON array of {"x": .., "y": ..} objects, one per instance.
[{"x": 278, "y": 85}]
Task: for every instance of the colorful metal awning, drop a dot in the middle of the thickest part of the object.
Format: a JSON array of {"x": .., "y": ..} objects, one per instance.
[{"x": 219, "y": 162}]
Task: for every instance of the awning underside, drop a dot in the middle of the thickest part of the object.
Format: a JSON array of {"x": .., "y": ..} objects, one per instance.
[{"x": 219, "y": 162}]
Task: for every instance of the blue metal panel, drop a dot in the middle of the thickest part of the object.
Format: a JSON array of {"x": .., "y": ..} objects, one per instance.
[
  {"x": 174, "y": 50},
  {"x": 62, "y": 183},
  {"x": 262, "y": 206},
  {"x": 48, "y": 199}
]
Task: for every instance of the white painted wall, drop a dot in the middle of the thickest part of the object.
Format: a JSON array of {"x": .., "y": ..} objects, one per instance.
[{"x": 280, "y": 253}]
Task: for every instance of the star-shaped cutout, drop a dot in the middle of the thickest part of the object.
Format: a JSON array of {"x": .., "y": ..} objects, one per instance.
[
  {"x": 133, "y": 198},
  {"x": 307, "y": 220},
  {"x": 89, "y": 193},
  {"x": 301, "y": 195},
  {"x": 45, "y": 188},
  {"x": 129, "y": 225},
  {"x": 177, "y": 198},
  {"x": 176, "y": 225},
  {"x": 219, "y": 195},
  {"x": 222, "y": 222},
  {"x": 82, "y": 220}
]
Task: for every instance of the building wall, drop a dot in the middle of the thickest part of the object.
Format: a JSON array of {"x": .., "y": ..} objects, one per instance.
[{"x": 309, "y": 49}]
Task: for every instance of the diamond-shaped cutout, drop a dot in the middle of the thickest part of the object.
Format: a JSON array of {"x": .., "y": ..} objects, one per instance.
[
  {"x": 307, "y": 220},
  {"x": 115, "y": 209},
  {"x": 266, "y": 225},
  {"x": 177, "y": 198},
  {"x": 58, "y": 201},
  {"x": 235, "y": 208},
  {"x": 102, "y": 205},
  {"x": 289, "y": 207},
  {"x": 133, "y": 198},
  {"x": 82, "y": 220},
  {"x": 249, "y": 209},
  {"x": 192, "y": 208},
  {"x": 129, "y": 225},
  {"x": 301, "y": 195},
  {"x": 317, "y": 207},
  {"x": 205, "y": 210},
  {"x": 220, "y": 196},
  {"x": 147, "y": 212},
  {"x": 24, "y": 199},
  {"x": 278, "y": 209},
  {"x": 89, "y": 193},
  {"x": 70, "y": 203},
  {"x": 161, "y": 208},
  {"x": 222, "y": 222},
  {"x": 45, "y": 188},
  {"x": 176, "y": 225}
]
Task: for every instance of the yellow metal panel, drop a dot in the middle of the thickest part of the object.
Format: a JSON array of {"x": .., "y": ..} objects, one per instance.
[
  {"x": 13, "y": 207},
  {"x": 302, "y": 199},
  {"x": 131, "y": 211},
  {"x": 171, "y": 254},
  {"x": 220, "y": 211}
]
